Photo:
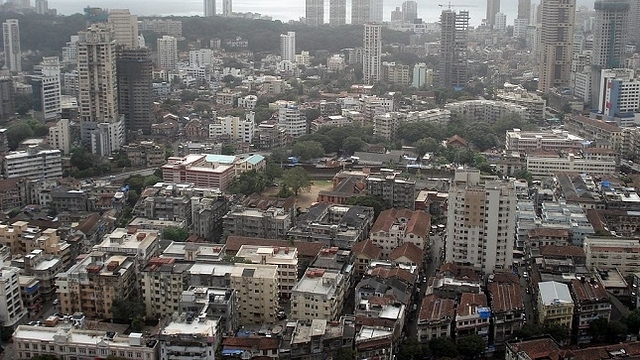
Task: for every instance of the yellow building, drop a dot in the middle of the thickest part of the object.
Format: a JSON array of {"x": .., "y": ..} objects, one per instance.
[
  {"x": 257, "y": 292},
  {"x": 286, "y": 258},
  {"x": 22, "y": 239},
  {"x": 555, "y": 304},
  {"x": 91, "y": 285},
  {"x": 162, "y": 282}
]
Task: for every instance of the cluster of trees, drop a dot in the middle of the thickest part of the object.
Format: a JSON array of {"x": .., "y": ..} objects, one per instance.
[
  {"x": 481, "y": 135},
  {"x": 86, "y": 164},
  {"x": 175, "y": 234},
  {"x": 468, "y": 347},
  {"x": 24, "y": 129},
  {"x": 129, "y": 312},
  {"x": 378, "y": 204},
  {"x": 44, "y": 33},
  {"x": 347, "y": 139},
  {"x": 264, "y": 36}
]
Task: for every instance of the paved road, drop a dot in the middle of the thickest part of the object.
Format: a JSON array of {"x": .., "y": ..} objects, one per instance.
[{"x": 529, "y": 299}]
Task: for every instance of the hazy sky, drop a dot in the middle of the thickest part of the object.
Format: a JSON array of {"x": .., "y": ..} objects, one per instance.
[{"x": 284, "y": 10}]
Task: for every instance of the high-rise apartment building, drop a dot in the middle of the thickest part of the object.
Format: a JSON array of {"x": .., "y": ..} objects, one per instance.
[
  {"x": 227, "y": 8},
  {"x": 610, "y": 33},
  {"x": 493, "y": 7},
  {"x": 135, "y": 88},
  {"x": 167, "y": 52},
  {"x": 209, "y": 8},
  {"x": 360, "y": 12},
  {"x": 524, "y": 10},
  {"x": 46, "y": 89},
  {"x": 409, "y": 10},
  {"x": 421, "y": 75},
  {"x": 33, "y": 164},
  {"x": 337, "y": 12},
  {"x": 12, "y": 53},
  {"x": 292, "y": 119},
  {"x": 125, "y": 27},
  {"x": 618, "y": 93},
  {"x": 500, "y": 22},
  {"x": 453, "y": 46},
  {"x": 12, "y": 309},
  {"x": 481, "y": 221},
  {"x": 59, "y": 136},
  {"x": 556, "y": 43},
  {"x": 372, "y": 53},
  {"x": 314, "y": 12},
  {"x": 7, "y": 98},
  {"x": 376, "y": 11},
  {"x": 101, "y": 126},
  {"x": 42, "y": 7},
  {"x": 288, "y": 46}
]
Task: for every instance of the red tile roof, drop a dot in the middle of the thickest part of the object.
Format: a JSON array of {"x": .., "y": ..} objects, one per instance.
[
  {"x": 418, "y": 222},
  {"x": 367, "y": 248},
  {"x": 591, "y": 290},
  {"x": 562, "y": 251},
  {"x": 469, "y": 302},
  {"x": 436, "y": 309},
  {"x": 408, "y": 250},
  {"x": 386, "y": 273},
  {"x": 505, "y": 297},
  {"x": 251, "y": 342}
]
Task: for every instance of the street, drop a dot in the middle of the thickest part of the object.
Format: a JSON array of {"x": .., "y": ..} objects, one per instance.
[{"x": 529, "y": 299}]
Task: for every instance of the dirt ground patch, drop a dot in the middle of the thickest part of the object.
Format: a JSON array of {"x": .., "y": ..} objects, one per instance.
[{"x": 305, "y": 199}]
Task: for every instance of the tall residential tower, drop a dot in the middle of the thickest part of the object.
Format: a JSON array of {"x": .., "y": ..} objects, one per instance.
[
  {"x": 337, "y": 12},
  {"x": 12, "y": 53},
  {"x": 125, "y": 28},
  {"x": 288, "y": 46},
  {"x": 372, "y": 53},
  {"x": 314, "y": 12},
  {"x": 135, "y": 90},
  {"x": 556, "y": 43},
  {"x": 453, "y": 46},
  {"x": 209, "y": 8},
  {"x": 493, "y": 7}
]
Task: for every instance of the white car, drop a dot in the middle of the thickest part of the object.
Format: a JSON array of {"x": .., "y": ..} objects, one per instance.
[{"x": 525, "y": 274}]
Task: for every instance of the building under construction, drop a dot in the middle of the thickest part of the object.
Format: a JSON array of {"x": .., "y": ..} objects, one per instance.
[{"x": 453, "y": 47}]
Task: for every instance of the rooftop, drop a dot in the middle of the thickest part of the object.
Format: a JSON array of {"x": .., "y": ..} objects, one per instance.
[
  {"x": 589, "y": 290},
  {"x": 554, "y": 293},
  {"x": 319, "y": 282},
  {"x": 505, "y": 297},
  {"x": 436, "y": 309},
  {"x": 203, "y": 328}
]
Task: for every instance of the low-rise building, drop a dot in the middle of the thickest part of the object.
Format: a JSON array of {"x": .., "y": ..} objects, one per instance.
[
  {"x": 261, "y": 217},
  {"x": 391, "y": 188},
  {"x": 67, "y": 341},
  {"x": 33, "y": 164},
  {"x": 487, "y": 111},
  {"x": 250, "y": 347},
  {"x": 375, "y": 342},
  {"x": 316, "y": 339},
  {"x": 555, "y": 304},
  {"x": 41, "y": 266},
  {"x": 472, "y": 316},
  {"x": 553, "y": 140},
  {"x": 333, "y": 225},
  {"x": 145, "y": 154},
  {"x": 436, "y": 318},
  {"x": 214, "y": 303},
  {"x": 162, "y": 281},
  {"x": 394, "y": 227},
  {"x": 319, "y": 294},
  {"x": 140, "y": 245},
  {"x": 188, "y": 336},
  {"x": 364, "y": 252},
  {"x": 550, "y": 164},
  {"x": 212, "y": 171},
  {"x": 610, "y": 253},
  {"x": 507, "y": 309},
  {"x": 591, "y": 303}
]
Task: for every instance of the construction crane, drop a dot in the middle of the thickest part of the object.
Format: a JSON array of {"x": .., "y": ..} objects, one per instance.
[{"x": 449, "y": 5}]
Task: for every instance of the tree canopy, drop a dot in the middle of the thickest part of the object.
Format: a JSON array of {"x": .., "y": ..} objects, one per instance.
[
  {"x": 377, "y": 203},
  {"x": 296, "y": 179},
  {"x": 307, "y": 150},
  {"x": 249, "y": 182},
  {"x": 175, "y": 234}
]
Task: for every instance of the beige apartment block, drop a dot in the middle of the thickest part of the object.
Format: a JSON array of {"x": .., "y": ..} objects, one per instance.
[
  {"x": 318, "y": 295},
  {"x": 286, "y": 258},
  {"x": 257, "y": 292}
]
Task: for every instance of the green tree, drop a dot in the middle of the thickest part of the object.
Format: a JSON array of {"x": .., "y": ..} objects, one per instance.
[
  {"x": 559, "y": 332},
  {"x": 228, "y": 149},
  {"x": 633, "y": 321},
  {"x": 24, "y": 103},
  {"x": 471, "y": 346},
  {"x": 346, "y": 354},
  {"x": 529, "y": 330},
  {"x": 307, "y": 150},
  {"x": 249, "y": 182},
  {"x": 296, "y": 179},
  {"x": 135, "y": 182},
  {"x": 126, "y": 310},
  {"x": 443, "y": 347},
  {"x": 278, "y": 155},
  {"x": 352, "y": 144},
  {"x": 377, "y": 203},
  {"x": 150, "y": 181},
  {"x": 81, "y": 158},
  {"x": 410, "y": 349},
  {"x": 426, "y": 145},
  {"x": 175, "y": 234},
  {"x": 45, "y": 357},
  {"x": 523, "y": 174},
  {"x": 603, "y": 330},
  {"x": 18, "y": 132}
]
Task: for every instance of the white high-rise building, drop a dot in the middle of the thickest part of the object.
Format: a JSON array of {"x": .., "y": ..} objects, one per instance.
[
  {"x": 337, "y": 12},
  {"x": 12, "y": 53},
  {"x": 500, "y": 22},
  {"x": 47, "y": 90},
  {"x": 372, "y": 53},
  {"x": 409, "y": 10},
  {"x": 288, "y": 46},
  {"x": 167, "y": 52},
  {"x": 421, "y": 75},
  {"x": 618, "y": 93},
  {"x": 376, "y": 11},
  {"x": 209, "y": 8},
  {"x": 42, "y": 7},
  {"x": 314, "y": 12},
  {"x": 291, "y": 119},
  {"x": 60, "y": 136},
  {"x": 12, "y": 308},
  {"x": 481, "y": 221},
  {"x": 101, "y": 126},
  {"x": 200, "y": 58},
  {"x": 227, "y": 8},
  {"x": 236, "y": 128},
  {"x": 125, "y": 27},
  {"x": 33, "y": 164}
]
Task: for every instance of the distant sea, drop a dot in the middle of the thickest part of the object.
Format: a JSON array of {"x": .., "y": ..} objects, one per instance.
[{"x": 284, "y": 10}]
